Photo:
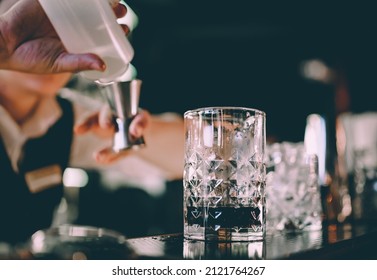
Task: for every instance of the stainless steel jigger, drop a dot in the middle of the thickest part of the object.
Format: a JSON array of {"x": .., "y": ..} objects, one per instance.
[{"x": 123, "y": 98}]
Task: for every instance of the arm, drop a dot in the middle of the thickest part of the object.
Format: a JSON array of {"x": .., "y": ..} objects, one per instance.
[{"x": 164, "y": 145}]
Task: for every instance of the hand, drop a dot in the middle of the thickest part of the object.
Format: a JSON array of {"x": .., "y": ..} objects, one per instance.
[
  {"x": 100, "y": 123},
  {"x": 29, "y": 43}
]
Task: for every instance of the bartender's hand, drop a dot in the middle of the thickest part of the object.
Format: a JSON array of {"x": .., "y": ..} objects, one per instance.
[
  {"x": 101, "y": 124},
  {"x": 29, "y": 43}
]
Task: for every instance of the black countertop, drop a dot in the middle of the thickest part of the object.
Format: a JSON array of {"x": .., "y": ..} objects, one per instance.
[
  {"x": 334, "y": 242},
  {"x": 346, "y": 241}
]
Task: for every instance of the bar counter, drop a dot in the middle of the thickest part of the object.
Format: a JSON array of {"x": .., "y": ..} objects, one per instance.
[
  {"x": 351, "y": 241},
  {"x": 339, "y": 242}
]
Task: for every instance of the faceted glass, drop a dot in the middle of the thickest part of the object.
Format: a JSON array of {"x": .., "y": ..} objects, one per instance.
[
  {"x": 224, "y": 174},
  {"x": 293, "y": 195}
]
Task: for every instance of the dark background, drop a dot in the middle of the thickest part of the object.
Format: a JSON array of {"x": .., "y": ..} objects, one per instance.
[{"x": 248, "y": 53}]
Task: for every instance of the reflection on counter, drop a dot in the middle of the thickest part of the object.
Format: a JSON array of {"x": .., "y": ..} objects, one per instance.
[
  {"x": 332, "y": 242},
  {"x": 196, "y": 250}
]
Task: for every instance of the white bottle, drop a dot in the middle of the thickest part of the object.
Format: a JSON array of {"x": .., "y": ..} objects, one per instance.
[{"x": 90, "y": 26}]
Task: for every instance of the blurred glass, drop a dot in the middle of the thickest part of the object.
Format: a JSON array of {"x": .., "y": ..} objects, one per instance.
[
  {"x": 72, "y": 242},
  {"x": 357, "y": 150},
  {"x": 293, "y": 195},
  {"x": 224, "y": 174}
]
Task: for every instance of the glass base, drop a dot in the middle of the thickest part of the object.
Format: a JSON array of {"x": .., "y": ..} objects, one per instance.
[{"x": 224, "y": 234}]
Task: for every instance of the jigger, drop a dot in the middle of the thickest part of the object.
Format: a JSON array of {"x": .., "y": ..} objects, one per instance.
[{"x": 123, "y": 98}]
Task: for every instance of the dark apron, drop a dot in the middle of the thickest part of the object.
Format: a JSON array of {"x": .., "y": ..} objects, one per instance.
[{"x": 23, "y": 212}]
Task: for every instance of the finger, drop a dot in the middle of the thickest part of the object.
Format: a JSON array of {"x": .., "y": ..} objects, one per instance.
[
  {"x": 67, "y": 62},
  {"x": 120, "y": 10},
  {"x": 105, "y": 118},
  {"x": 139, "y": 124},
  {"x": 108, "y": 156},
  {"x": 87, "y": 124},
  {"x": 125, "y": 28}
]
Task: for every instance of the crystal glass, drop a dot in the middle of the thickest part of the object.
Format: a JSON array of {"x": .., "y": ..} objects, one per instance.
[
  {"x": 224, "y": 174},
  {"x": 293, "y": 196}
]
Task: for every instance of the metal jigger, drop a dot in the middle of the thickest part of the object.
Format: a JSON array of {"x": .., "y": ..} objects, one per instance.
[{"x": 123, "y": 98}]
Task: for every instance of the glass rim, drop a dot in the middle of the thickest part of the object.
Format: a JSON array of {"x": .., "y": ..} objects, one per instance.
[{"x": 213, "y": 108}]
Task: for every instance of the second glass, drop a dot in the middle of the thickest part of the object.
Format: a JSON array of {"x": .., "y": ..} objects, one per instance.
[{"x": 224, "y": 174}]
